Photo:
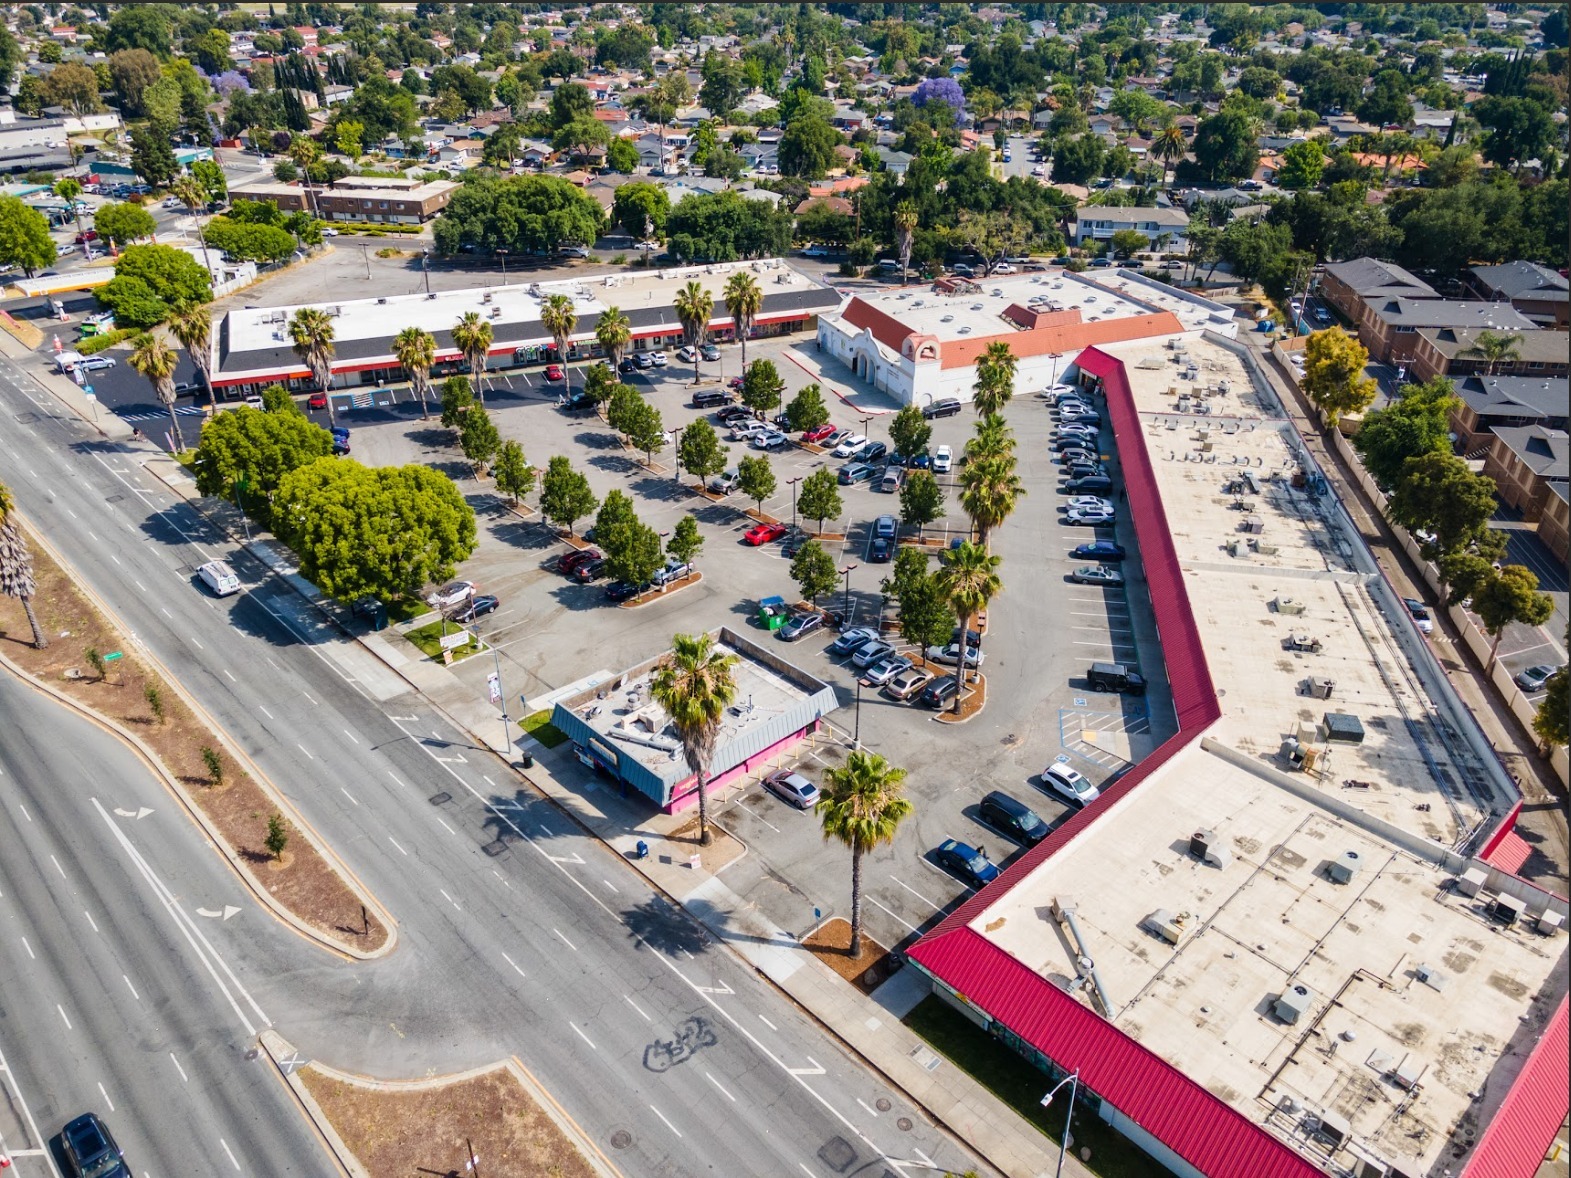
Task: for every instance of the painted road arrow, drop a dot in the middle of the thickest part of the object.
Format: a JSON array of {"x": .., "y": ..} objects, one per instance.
[
  {"x": 141, "y": 813},
  {"x": 815, "y": 1070},
  {"x": 229, "y": 910},
  {"x": 722, "y": 988}
]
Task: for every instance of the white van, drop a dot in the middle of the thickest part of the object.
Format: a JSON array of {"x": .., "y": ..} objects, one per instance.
[
  {"x": 66, "y": 361},
  {"x": 219, "y": 577}
]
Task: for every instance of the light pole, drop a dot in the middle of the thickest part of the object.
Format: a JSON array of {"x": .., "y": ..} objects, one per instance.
[
  {"x": 856, "y": 736},
  {"x": 677, "y": 434},
  {"x": 846, "y": 572},
  {"x": 792, "y": 483},
  {"x": 865, "y": 422},
  {"x": 425, "y": 269},
  {"x": 501, "y": 252},
  {"x": 1055, "y": 357},
  {"x": 1073, "y": 1080},
  {"x": 501, "y": 698}
]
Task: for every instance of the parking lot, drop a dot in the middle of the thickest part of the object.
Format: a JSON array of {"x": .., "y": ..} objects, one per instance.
[{"x": 1043, "y": 632}]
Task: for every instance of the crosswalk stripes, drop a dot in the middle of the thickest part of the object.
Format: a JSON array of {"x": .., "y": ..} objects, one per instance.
[{"x": 160, "y": 415}]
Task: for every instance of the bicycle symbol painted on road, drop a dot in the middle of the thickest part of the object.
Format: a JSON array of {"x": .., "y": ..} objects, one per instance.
[{"x": 690, "y": 1038}]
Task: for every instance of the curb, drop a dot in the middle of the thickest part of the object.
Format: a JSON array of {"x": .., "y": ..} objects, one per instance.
[
  {"x": 661, "y": 594},
  {"x": 283, "y": 1056},
  {"x": 230, "y": 856}
]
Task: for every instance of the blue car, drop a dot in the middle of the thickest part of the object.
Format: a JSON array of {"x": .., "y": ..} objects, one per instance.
[
  {"x": 91, "y": 1149},
  {"x": 1104, "y": 550},
  {"x": 966, "y": 863}
]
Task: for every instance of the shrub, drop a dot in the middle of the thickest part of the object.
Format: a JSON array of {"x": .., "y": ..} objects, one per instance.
[
  {"x": 277, "y": 837},
  {"x": 155, "y": 701},
  {"x": 214, "y": 763},
  {"x": 94, "y": 344}
]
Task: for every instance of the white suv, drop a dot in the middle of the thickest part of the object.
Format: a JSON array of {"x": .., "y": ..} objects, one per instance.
[
  {"x": 943, "y": 460},
  {"x": 1070, "y": 784}
]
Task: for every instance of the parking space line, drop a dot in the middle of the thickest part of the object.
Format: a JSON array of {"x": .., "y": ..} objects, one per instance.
[
  {"x": 896, "y": 915},
  {"x": 744, "y": 806},
  {"x": 917, "y": 894}
]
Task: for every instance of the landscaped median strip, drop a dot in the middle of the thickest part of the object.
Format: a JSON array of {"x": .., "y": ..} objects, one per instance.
[{"x": 91, "y": 668}]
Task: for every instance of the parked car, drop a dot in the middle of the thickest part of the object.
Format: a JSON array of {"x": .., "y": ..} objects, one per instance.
[
  {"x": 317, "y": 400},
  {"x": 792, "y": 788},
  {"x": 943, "y": 460},
  {"x": 554, "y": 373},
  {"x": 850, "y": 640},
  {"x": 478, "y": 608},
  {"x": 674, "y": 571},
  {"x": 1098, "y": 550},
  {"x": 849, "y": 446},
  {"x": 975, "y": 655},
  {"x": 880, "y": 551},
  {"x": 922, "y": 461},
  {"x": 799, "y": 626},
  {"x": 569, "y": 561},
  {"x": 709, "y": 353},
  {"x": 659, "y": 359},
  {"x": 1089, "y": 482},
  {"x": 589, "y": 570},
  {"x": 854, "y": 472},
  {"x": 627, "y": 365},
  {"x": 1013, "y": 818},
  {"x": 770, "y": 438},
  {"x": 1084, "y": 470},
  {"x": 91, "y": 1149},
  {"x": 1088, "y": 518},
  {"x": 1089, "y": 503},
  {"x": 886, "y": 669},
  {"x": 819, "y": 433},
  {"x": 1419, "y": 612},
  {"x": 885, "y": 527},
  {"x": 1533, "y": 679},
  {"x": 966, "y": 863},
  {"x": 728, "y": 413},
  {"x": 86, "y": 236},
  {"x": 1070, "y": 784},
  {"x": 872, "y": 452},
  {"x": 94, "y": 363},
  {"x": 1099, "y": 574},
  {"x": 644, "y": 359},
  {"x": 869, "y": 653},
  {"x": 1116, "y": 677},
  {"x": 450, "y": 594},
  {"x": 623, "y": 591},
  {"x": 939, "y": 693},
  {"x": 763, "y": 534},
  {"x": 907, "y": 683},
  {"x": 943, "y": 407},
  {"x": 686, "y": 355}
]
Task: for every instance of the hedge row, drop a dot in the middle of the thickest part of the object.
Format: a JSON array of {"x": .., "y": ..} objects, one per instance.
[{"x": 107, "y": 339}]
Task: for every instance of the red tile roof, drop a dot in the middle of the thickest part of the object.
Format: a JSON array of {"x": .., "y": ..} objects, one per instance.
[
  {"x": 1061, "y": 337},
  {"x": 1518, "y": 1136}
]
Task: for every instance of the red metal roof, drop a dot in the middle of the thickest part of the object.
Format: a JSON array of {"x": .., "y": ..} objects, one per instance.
[
  {"x": 1518, "y": 1136},
  {"x": 1510, "y": 852}
]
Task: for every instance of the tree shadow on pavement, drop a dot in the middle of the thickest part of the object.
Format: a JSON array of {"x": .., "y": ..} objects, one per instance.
[{"x": 663, "y": 926}]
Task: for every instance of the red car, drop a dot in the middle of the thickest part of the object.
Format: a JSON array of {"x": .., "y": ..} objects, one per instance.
[
  {"x": 765, "y": 534},
  {"x": 819, "y": 432},
  {"x": 86, "y": 236},
  {"x": 569, "y": 561},
  {"x": 735, "y": 383},
  {"x": 553, "y": 373},
  {"x": 318, "y": 400}
]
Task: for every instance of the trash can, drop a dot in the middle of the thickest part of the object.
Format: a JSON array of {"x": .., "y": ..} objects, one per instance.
[{"x": 529, "y": 761}]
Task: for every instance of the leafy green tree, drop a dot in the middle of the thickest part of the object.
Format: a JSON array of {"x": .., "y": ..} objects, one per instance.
[
  {"x": 601, "y": 384},
  {"x": 1334, "y": 376},
  {"x": 1439, "y": 495},
  {"x": 1126, "y": 242},
  {"x": 515, "y": 478},
  {"x": 457, "y": 399},
  {"x": 820, "y": 497},
  {"x": 621, "y": 156},
  {"x": 362, "y": 532},
  {"x": 581, "y": 136},
  {"x": 249, "y": 243},
  {"x": 1511, "y": 595},
  {"x": 807, "y": 409},
  {"x": 695, "y": 684},
  {"x": 761, "y": 387},
  {"x": 277, "y": 399},
  {"x": 1552, "y": 721},
  {"x": 161, "y": 104},
  {"x": 910, "y": 432},
  {"x": 522, "y": 214},
  {"x": 632, "y": 552},
  {"x": 968, "y": 580},
  {"x": 861, "y": 807},
  {"x": 478, "y": 438},
  {"x": 1302, "y": 165},
  {"x": 1387, "y": 101},
  {"x": 1224, "y": 146},
  {"x": 622, "y": 408},
  {"x": 277, "y": 836},
  {"x": 123, "y": 223},
  {"x": 1518, "y": 129},
  {"x": 921, "y": 500},
  {"x": 725, "y": 227},
  {"x": 565, "y": 494},
  {"x": 1078, "y": 160},
  {"x": 645, "y": 430},
  {"x": 568, "y": 102},
  {"x": 756, "y": 479},
  {"x": 686, "y": 541},
  {"x": 641, "y": 208},
  {"x": 700, "y": 452},
  {"x": 256, "y": 448},
  {"x": 74, "y": 87},
  {"x": 139, "y": 27},
  {"x": 807, "y": 148},
  {"x": 925, "y": 614},
  {"x": 814, "y": 572},
  {"x": 24, "y": 237},
  {"x": 1417, "y": 423},
  {"x": 615, "y": 513},
  {"x": 152, "y": 157},
  {"x": 132, "y": 71}
]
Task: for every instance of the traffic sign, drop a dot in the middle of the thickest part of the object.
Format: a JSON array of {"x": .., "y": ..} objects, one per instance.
[{"x": 113, "y": 655}]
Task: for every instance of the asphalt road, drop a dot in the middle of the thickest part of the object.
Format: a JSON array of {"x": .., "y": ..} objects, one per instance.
[{"x": 551, "y": 948}]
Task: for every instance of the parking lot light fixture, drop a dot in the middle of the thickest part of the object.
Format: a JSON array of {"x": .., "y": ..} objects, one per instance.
[
  {"x": 846, "y": 572},
  {"x": 1073, "y": 1080},
  {"x": 793, "y": 483},
  {"x": 676, "y": 433}
]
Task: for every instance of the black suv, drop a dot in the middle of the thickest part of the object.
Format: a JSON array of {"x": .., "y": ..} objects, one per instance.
[
  {"x": 1116, "y": 677},
  {"x": 91, "y": 1149},
  {"x": 945, "y": 407},
  {"x": 1016, "y": 819}
]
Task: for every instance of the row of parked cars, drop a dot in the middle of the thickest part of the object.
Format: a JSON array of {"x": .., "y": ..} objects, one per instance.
[{"x": 587, "y": 565}]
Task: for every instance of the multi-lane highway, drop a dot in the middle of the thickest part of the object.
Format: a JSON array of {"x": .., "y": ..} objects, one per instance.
[{"x": 552, "y": 950}]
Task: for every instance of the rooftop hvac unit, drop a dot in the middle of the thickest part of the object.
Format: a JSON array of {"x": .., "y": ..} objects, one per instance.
[
  {"x": 1167, "y": 926},
  {"x": 486, "y": 297},
  {"x": 1344, "y": 867},
  {"x": 1334, "y": 1130},
  {"x": 496, "y": 312},
  {"x": 1293, "y": 1003},
  {"x": 1431, "y": 977},
  {"x": 1550, "y": 924},
  {"x": 381, "y": 302},
  {"x": 965, "y": 331},
  {"x": 1471, "y": 881},
  {"x": 1507, "y": 909}
]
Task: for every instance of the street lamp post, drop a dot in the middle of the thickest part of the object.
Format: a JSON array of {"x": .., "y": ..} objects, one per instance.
[
  {"x": 865, "y": 422},
  {"x": 793, "y": 483},
  {"x": 846, "y": 572},
  {"x": 677, "y": 434},
  {"x": 1055, "y": 357},
  {"x": 425, "y": 269},
  {"x": 507, "y": 725},
  {"x": 501, "y": 252},
  {"x": 856, "y": 736},
  {"x": 1073, "y": 1080}
]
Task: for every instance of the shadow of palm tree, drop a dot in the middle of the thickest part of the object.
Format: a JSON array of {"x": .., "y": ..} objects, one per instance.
[{"x": 663, "y": 926}]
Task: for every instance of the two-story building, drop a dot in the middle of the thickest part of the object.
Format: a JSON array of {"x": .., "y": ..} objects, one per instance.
[
  {"x": 1352, "y": 286},
  {"x": 1453, "y": 352},
  {"x": 1524, "y": 461},
  {"x": 1095, "y": 223},
  {"x": 1536, "y": 291},
  {"x": 1390, "y": 327},
  {"x": 1488, "y": 404}
]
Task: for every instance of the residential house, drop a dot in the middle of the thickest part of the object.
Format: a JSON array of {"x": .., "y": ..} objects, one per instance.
[
  {"x": 832, "y": 204},
  {"x": 1450, "y": 351},
  {"x": 1390, "y": 326},
  {"x": 1523, "y": 461},
  {"x": 1351, "y": 286},
  {"x": 896, "y": 163},
  {"x": 1488, "y": 404},
  {"x": 1098, "y": 223},
  {"x": 1344, "y": 127},
  {"x": 1537, "y": 291},
  {"x": 336, "y": 94}
]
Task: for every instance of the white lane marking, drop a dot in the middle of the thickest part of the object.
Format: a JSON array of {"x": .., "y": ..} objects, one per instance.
[
  {"x": 90, "y": 919},
  {"x": 230, "y": 1152},
  {"x": 767, "y": 1023},
  {"x": 721, "y": 1086},
  {"x": 759, "y": 816},
  {"x": 816, "y": 1070},
  {"x": 584, "y": 1037},
  {"x": 25, "y": 814},
  {"x": 130, "y": 987},
  {"x": 307, "y": 694},
  {"x": 115, "y": 558},
  {"x": 197, "y": 644},
  {"x": 139, "y": 585},
  {"x": 896, "y": 915},
  {"x": 668, "y": 1124},
  {"x": 565, "y": 941},
  {"x": 514, "y": 964},
  {"x": 63, "y": 1018},
  {"x": 167, "y": 614},
  {"x": 448, "y": 898},
  {"x": 107, "y": 1101},
  {"x": 347, "y": 794},
  {"x": 917, "y": 894},
  {"x": 178, "y": 1068},
  {"x": 636, "y": 1007},
  {"x": 276, "y": 667},
  {"x": 29, "y": 949},
  {"x": 232, "y": 679},
  {"x": 447, "y": 828},
  {"x": 865, "y": 1105},
  {"x": 58, "y": 868},
  {"x": 610, "y": 885},
  {"x": 264, "y": 711},
  {"x": 394, "y": 841},
  {"x": 351, "y": 735},
  {"x": 304, "y": 750}
]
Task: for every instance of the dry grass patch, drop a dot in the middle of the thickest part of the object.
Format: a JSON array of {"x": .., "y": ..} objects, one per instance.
[
  {"x": 398, "y": 1131},
  {"x": 831, "y": 944},
  {"x": 972, "y": 700},
  {"x": 132, "y": 694}
]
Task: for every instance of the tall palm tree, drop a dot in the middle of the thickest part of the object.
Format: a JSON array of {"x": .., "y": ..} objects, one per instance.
[
  {"x": 993, "y": 439},
  {"x": 193, "y": 327},
  {"x": 311, "y": 330},
  {"x": 194, "y": 197},
  {"x": 1169, "y": 147},
  {"x": 744, "y": 300},
  {"x": 559, "y": 318},
  {"x": 694, "y": 306},
  {"x": 415, "y": 350},
  {"x": 905, "y": 237},
  {"x": 1496, "y": 348},
  {"x": 695, "y": 685},
  {"x": 472, "y": 334},
  {"x": 968, "y": 579},
  {"x": 156, "y": 360},
  {"x": 990, "y": 488},
  {"x": 16, "y": 566},
  {"x": 862, "y": 805},
  {"x": 995, "y": 379},
  {"x": 613, "y": 333}
]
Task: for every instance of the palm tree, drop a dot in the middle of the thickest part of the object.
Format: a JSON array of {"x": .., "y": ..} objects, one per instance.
[
  {"x": 744, "y": 300},
  {"x": 905, "y": 237},
  {"x": 694, "y": 306},
  {"x": 993, "y": 439},
  {"x": 995, "y": 379},
  {"x": 613, "y": 333},
  {"x": 68, "y": 189},
  {"x": 472, "y": 334},
  {"x": 559, "y": 318},
  {"x": 415, "y": 350},
  {"x": 968, "y": 580},
  {"x": 311, "y": 329},
  {"x": 1169, "y": 147},
  {"x": 990, "y": 488},
  {"x": 16, "y": 566},
  {"x": 193, "y": 327},
  {"x": 695, "y": 685},
  {"x": 194, "y": 197},
  {"x": 1495, "y": 348},
  {"x": 156, "y": 360},
  {"x": 862, "y": 805}
]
